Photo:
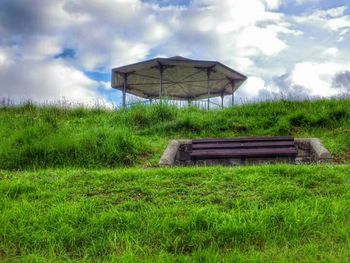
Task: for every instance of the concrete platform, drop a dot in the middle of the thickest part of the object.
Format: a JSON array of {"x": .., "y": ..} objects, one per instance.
[{"x": 310, "y": 150}]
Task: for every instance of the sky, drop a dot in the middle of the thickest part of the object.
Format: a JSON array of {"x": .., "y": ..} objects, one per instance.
[{"x": 64, "y": 50}]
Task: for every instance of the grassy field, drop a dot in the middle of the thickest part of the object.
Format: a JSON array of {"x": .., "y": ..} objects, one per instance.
[
  {"x": 60, "y": 199},
  {"x": 41, "y": 137},
  {"x": 275, "y": 213}
]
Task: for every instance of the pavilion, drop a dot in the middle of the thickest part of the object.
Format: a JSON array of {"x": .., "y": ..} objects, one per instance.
[{"x": 177, "y": 78}]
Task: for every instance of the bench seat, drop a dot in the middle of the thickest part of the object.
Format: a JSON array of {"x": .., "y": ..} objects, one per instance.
[
  {"x": 253, "y": 147},
  {"x": 245, "y": 139},
  {"x": 242, "y": 145}
]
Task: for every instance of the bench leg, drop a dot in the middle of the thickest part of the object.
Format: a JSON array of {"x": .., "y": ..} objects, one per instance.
[
  {"x": 193, "y": 161},
  {"x": 293, "y": 160}
]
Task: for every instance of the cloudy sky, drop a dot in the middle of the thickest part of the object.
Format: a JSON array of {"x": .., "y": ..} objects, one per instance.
[{"x": 54, "y": 49}]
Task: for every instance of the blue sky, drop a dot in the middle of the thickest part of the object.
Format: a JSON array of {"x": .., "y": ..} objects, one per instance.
[{"x": 65, "y": 49}]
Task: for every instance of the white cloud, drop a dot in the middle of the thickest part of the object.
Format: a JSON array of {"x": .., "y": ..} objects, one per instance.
[
  {"x": 105, "y": 85},
  {"x": 6, "y": 57},
  {"x": 253, "y": 86},
  {"x": 110, "y": 33},
  {"x": 118, "y": 32},
  {"x": 2, "y": 58},
  {"x": 330, "y": 52},
  {"x": 330, "y": 13},
  {"x": 333, "y": 19},
  {"x": 339, "y": 23},
  {"x": 317, "y": 77},
  {"x": 250, "y": 42},
  {"x": 301, "y": 2},
  {"x": 231, "y": 31},
  {"x": 273, "y": 4},
  {"x": 40, "y": 47},
  {"x": 44, "y": 81},
  {"x": 250, "y": 35}
]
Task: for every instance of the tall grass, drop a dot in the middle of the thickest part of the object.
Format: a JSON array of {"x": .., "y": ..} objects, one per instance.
[{"x": 37, "y": 137}]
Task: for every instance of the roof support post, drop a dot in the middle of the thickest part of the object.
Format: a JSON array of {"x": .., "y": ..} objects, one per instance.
[
  {"x": 161, "y": 70},
  {"x": 208, "y": 85},
  {"x": 222, "y": 100},
  {"x": 125, "y": 77},
  {"x": 233, "y": 92},
  {"x": 189, "y": 102}
]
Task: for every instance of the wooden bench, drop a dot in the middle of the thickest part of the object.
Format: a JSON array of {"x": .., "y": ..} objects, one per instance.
[{"x": 244, "y": 148}]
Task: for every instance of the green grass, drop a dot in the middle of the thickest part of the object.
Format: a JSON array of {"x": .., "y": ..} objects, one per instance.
[
  {"x": 60, "y": 201},
  {"x": 41, "y": 137},
  {"x": 278, "y": 213}
]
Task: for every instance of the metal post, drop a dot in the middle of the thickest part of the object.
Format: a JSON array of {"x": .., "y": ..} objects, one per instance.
[
  {"x": 124, "y": 88},
  {"x": 233, "y": 92},
  {"x": 222, "y": 100},
  {"x": 208, "y": 85},
  {"x": 161, "y": 69}
]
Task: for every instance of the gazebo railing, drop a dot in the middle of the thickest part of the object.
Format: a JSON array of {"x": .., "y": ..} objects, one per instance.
[{"x": 202, "y": 104}]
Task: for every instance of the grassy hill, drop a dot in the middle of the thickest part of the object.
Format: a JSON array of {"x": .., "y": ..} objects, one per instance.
[
  {"x": 41, "y": 137},
  {"x": 60, "y": 201}
]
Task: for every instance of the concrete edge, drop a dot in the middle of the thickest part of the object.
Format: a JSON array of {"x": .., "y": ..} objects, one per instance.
[
  {"x": 321, "y": 151},
  {"x": 322, "y": 154},
  {"x": 169, "y": 156}
]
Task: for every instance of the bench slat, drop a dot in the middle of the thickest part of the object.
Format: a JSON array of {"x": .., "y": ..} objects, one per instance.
[
  {"x": 234, "y": 145},
  {"x": 227, "y": 153},
  {"x": 246, "y": 139}
]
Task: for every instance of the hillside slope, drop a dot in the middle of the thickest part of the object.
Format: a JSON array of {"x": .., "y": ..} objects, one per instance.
[
  {"x": 278, "y": 213},
  {"x": 40, "y": 137}
]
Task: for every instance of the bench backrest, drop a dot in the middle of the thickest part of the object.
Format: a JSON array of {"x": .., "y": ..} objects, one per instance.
[{"x": 282, "y": 146}]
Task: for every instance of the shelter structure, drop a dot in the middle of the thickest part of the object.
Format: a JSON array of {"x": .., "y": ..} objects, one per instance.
[{"x": 177, "y": 78}]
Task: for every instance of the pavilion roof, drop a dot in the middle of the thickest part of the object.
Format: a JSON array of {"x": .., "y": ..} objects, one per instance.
[{"x": 183, "y": 78}]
